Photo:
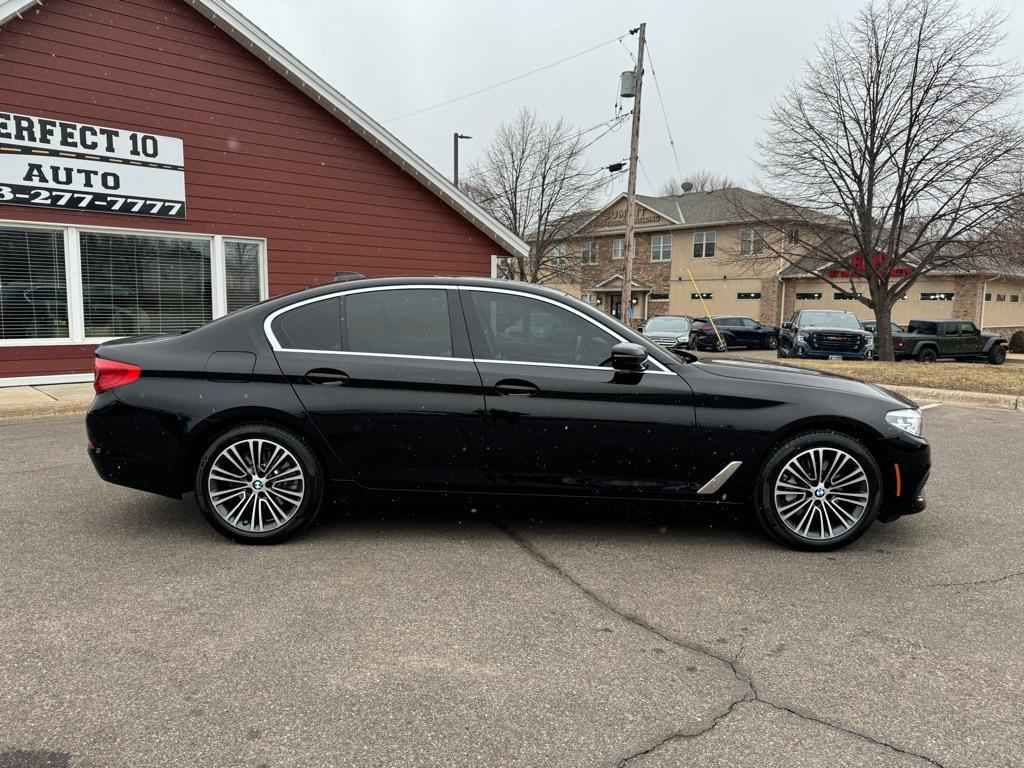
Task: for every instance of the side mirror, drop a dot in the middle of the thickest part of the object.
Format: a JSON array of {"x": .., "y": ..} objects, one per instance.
[
  {"x": 640, "y": 329},
  {"x": 629, "y": 357},
  {"x": 788, "y": 326}
]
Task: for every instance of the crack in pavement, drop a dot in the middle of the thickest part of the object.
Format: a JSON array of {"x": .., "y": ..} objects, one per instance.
[
  {"x": 979, "y": 582},
  {"x": 739, "y": 672}
]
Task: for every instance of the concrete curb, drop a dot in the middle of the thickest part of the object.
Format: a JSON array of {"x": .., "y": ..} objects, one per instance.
[
  {"x": 19, "y": 412},
  {"x": 955, "y": 397}
]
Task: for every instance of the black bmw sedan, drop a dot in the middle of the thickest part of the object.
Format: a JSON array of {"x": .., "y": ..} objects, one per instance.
[{"x": 473, "y": 385}]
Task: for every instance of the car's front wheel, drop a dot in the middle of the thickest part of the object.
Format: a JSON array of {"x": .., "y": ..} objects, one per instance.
[
  {"x": 818, "y": 491},
  {"x": 772, "y": 342},
  {"x": 259, "y": 484},
  {"x": 997, "y": 355}
]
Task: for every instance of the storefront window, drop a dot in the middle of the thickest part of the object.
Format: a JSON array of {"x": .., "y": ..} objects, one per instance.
[
  {"x": 33, "y": 292},
  {"x": 242, "y": 273},
  {"x": 135, "y": 284}
]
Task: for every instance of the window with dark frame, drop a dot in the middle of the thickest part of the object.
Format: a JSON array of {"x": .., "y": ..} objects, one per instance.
[
  {"x": 589, "y": 253},
  {"x": 1014, "y": 298},
  {"x": 845, "y": 296},
  {"x": 999, "y": 297},
  {"x": 945, "y": 296},
  {"x": 747, "y": 296},
  {"x": 706, "y": 296},
  {"x": 808, "y": 296},
  {"x": 658, "y": 297}
]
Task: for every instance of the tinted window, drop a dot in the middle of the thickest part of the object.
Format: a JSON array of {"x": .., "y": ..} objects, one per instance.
[
  {"x": 951, "y": 329},
  {"x": 748, "y": 323},
  {"x": 668, "y": 325},
  {"x": 825, "y": 319},
  {"x": 402, "y": 322},
  {"x": 311, "y": 326},
  {"x": 968, "y": 329},
  {"x": 519, "y": 328}
]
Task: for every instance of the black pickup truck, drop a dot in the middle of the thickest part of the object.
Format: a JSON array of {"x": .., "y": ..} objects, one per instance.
[{"x": 928, "y": 340}]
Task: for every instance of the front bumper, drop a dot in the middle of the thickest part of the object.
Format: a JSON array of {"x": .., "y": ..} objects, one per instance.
[
  {"x": 805, "y": 352},
  {"x": 906, "y": 465}
]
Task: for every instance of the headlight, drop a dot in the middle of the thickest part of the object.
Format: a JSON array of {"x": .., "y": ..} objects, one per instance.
[
  {"x": 869, "y": 342},
  {"x": 802, "y": 338},
  {"x": 682, "y": 339},
  {"x": 909, "y": 420}
]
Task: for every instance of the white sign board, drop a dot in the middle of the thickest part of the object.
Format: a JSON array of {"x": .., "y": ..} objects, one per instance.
[{"x": 58, "y": 164}]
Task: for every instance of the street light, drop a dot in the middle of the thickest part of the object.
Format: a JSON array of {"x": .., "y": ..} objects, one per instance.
[{"x": 455, "y": 145}]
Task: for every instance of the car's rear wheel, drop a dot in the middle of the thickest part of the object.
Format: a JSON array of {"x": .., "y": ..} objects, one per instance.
[
  {"x": 772, "y": 342},
  {"x": 997, "y": 355},
  {"x": 818, "y": 491},
  {"x": 720, "y": 345},
  {"x": 259, "y": 484},
  {"x": 927, "y": 355}
]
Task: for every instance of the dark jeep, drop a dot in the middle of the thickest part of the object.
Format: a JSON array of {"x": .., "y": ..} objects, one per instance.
[{"x": 928, "y": 340}]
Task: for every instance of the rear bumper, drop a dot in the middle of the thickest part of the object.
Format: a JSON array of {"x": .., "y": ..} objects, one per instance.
[{"x": 130, "y": 446}]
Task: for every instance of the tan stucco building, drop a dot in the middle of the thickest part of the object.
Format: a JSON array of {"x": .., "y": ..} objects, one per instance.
[{"x": 703, "y": 234}]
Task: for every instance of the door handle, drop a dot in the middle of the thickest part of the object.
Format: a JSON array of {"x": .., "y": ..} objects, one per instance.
[
  {"x": 516, "y": 388},
  {"x": 326, "y": 377}
]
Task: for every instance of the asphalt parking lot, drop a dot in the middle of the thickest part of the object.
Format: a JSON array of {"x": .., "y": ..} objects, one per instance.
[{"x": 414, "y": 633}]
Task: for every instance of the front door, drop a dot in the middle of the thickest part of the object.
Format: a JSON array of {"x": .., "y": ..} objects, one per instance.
[
  {"x": 559, "y": 418},
  {"x": 385, "y": 376}
]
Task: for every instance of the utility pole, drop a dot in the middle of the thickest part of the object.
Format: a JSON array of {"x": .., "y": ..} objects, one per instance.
[
  {"x": 455, "y": 147},
  {"x": 626, "y": 303}
]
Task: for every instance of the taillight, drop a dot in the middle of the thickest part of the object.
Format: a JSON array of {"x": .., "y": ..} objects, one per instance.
[{"x": 108, "y": 374}]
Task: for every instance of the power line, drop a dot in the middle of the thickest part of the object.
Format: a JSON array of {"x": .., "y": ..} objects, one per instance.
[
  {"x": 668, "y": 128},
  {"x": 505, "y": 82},
  {"x": 610, "y": 125},
  {"x": 643, "y": 170}
]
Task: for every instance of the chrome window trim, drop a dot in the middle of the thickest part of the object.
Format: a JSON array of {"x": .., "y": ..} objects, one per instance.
[{"x": 275, "y": 345}]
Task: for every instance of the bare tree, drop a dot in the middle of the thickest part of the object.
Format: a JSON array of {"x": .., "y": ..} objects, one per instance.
[
  {"x": 895, "y": 153},
  {"x": 534, "y": 180},
  {"x": 701, "y": 180}
]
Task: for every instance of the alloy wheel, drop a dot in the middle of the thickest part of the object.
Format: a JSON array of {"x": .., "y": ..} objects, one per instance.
[
  {"x": 256, "y": 485},
  {"x": 821, "y": 493}
]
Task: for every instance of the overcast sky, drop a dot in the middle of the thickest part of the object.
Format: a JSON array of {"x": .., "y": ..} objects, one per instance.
[{"x": 719, "y": 63}]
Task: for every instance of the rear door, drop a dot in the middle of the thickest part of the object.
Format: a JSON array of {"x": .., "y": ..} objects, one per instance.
[
  {"x": 385, "y": 375},
  {"x": 559, "y": 418}
]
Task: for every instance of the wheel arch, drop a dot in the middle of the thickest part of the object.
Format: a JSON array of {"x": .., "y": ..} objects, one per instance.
[
  {"x": 207, "y": 430},
  {"x": 872, "y": 440}
]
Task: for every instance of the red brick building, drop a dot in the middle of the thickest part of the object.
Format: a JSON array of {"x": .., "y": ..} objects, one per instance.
[{"x": 163, "y": 162}]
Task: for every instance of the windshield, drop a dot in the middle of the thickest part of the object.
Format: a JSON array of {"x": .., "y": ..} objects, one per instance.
[
  {"x": 668, "y": 324},
  {"x": 823, "y": 319}
]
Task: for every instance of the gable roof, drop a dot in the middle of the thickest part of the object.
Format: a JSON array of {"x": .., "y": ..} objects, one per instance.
[
  {"x": 731, "y": 205},
  {"x": 243, "y": 31}
]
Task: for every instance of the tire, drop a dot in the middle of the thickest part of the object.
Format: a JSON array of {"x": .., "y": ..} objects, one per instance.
[
  {"x": 772, "y": 342},
  {"x": 997, "y": 355},
  {"x": 798, "y": 519},
  {"x": 781, "y": 352},
  {"x": 692, "y": 343},
  {"x": 272, "y": 511},
  {"x": 720, "y": 346},
  {"x": 927, "y": 355}
]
